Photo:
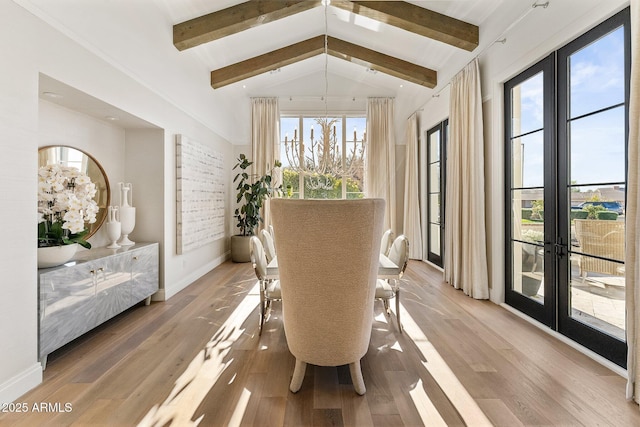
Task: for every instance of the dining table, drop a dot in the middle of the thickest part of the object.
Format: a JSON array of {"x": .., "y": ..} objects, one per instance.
[{"x": 387, "y": 269}]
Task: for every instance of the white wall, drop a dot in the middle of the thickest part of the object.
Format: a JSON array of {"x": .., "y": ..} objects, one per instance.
[
  {"x": 143, "y": 161},
  {"x": 18, "y": 167},
  {"x": 146, "y": 158}
]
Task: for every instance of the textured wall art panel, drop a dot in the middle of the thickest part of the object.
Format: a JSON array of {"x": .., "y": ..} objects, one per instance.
[{"x": 200, "y": 194}]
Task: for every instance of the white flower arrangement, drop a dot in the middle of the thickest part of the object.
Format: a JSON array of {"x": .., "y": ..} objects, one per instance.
[{"x": 65, "y": 203}]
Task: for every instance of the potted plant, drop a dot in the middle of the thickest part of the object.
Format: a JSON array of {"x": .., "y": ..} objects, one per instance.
[
  {"x": 252, "y": 190},
  {"x": 65, "y": 204}
]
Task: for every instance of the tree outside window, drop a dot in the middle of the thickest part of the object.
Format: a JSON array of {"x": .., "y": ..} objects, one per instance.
[{"x": 321, "y": 159}]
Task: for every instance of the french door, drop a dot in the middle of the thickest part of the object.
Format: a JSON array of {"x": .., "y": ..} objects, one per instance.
[
  {"x": 436, "y": 143},
  {"x": 566, "y": 130}
]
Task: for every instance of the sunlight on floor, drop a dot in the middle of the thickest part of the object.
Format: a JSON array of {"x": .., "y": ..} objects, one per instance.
[
  {"x": 240, "y": 409},
  {"x": 428, "y": 412},
  {"x": 191, "y": 388},
  {"x": 203, "y": 372},
  {"x": 440, "y": 371}
]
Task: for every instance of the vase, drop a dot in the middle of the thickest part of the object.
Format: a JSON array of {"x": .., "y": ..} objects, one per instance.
[
  {"x": 127, "y": 213},
  {"x": 114, "y": 227},
  {"x": 52, "y": 256}
]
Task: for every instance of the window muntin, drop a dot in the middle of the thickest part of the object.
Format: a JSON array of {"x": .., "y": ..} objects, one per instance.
[{"x": 323, "y": 157}]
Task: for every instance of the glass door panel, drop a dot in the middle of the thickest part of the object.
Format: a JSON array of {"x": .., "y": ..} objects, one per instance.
[
  {"x": 592, "y": 135},
  {"x": 528, "y": 130},
  {"x": 434, "y": 239},
  {"x": 436, "y": 140},
  {"x": 597, "y": 74},
  {"x": 596, "y": 145}
]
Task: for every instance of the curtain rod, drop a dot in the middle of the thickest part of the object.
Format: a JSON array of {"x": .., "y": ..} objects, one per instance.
[
  {"x": 321, "y": 97},
  {"x": 501, "y": 38}
]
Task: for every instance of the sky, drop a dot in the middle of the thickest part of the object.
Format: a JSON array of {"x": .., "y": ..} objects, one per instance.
[{"x": 597, "y": 142}]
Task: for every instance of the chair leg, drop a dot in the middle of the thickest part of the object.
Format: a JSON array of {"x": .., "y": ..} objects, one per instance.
[
  {"x": 398, "y": 310},
  {"x": 262, "y": 316},
  {"x": 298, "y": 376},
  {"x": 263, "y": 310},
  {"x": 387, "y": 309},
  {"x": 267, "y": 311},
  {"x": 356, "y": 377}
]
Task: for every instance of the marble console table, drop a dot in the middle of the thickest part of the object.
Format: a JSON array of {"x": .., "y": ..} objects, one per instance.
[{"x": 93, "y": 287}]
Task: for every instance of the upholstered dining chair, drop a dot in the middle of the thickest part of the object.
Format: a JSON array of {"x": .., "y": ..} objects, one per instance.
[
  {"x": 385, "y": 242},
  {"x": 268, "y": 245},
  {"x": 271, "y": 231},
  {"x": 387, "y": 289},
  {"x": 269, "y": 289},
  {"x": 328, "y": 255}
]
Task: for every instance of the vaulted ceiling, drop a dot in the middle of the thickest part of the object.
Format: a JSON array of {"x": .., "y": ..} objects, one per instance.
[
  {"x": 403, "y": 15},
  {"x": 404, "y": 49},
  {"x": 278, "y": 47},
  {"x": 407, "y": 50}
]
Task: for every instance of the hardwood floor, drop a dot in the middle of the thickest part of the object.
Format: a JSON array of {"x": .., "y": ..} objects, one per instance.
[{"x": 197, "y": 358}]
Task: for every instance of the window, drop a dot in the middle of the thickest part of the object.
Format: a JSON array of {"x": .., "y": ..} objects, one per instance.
[
  {"x": 436, "y": 142},
  {"x": 323, "y": 157}
]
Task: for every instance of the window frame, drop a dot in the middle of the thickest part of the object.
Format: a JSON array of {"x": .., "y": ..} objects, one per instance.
[
  {"x": 344, "y": 141},
  {"x": 443, "y": 129}
]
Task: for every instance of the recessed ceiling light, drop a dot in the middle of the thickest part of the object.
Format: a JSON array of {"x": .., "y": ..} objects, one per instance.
[
  {"x": 244, "y": 86},
  {"x": 52, "y": 95},
  {"x": 401, "y": 85},
  {"x": 111, "y": 118}
]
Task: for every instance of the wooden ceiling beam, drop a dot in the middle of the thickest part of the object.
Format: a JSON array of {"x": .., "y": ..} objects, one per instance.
[
  {"x": 384, "y": 63},
  {"x": 416, "y": 19},
  {"x": 315, "y": 46},
  {"x": 267, "y": 62},
  {"x": 234, "y": 19},
  {"x": 252, "y": 13}
]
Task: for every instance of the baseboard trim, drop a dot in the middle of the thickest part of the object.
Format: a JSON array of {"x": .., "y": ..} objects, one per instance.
[
  {"x": 166, "y": 293},
  {"x": 437, "y": 267},
  {"x": 589, "y": 353},
  {"x": 18, "y": 385}
]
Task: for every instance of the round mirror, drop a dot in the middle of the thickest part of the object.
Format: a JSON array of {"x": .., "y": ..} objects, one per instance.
[{"x": 69, "y": 156}]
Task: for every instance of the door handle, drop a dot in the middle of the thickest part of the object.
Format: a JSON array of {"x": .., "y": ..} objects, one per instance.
[{"x": 561, "y": 249}]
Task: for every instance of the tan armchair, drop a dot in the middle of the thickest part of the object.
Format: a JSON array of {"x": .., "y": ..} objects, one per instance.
[
  {"x": 601, "y": 238},
  {"x": 269, "y": 289},
  {"x": 328, "y": 254},
  {"x": 387, "y": 289}
]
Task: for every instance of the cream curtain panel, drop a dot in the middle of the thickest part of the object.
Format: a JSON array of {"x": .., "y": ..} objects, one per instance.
[
  {"x": 632, "y": 258},
  {"x": 411, "y": 193},
  {"x": 465, "y": 257},
  {"x": 265, "y": 140},
  {"x": 380, "y": 161}
]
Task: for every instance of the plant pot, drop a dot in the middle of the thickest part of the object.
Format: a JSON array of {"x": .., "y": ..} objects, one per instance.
[
  {"x": 53, "y": 256},
  {"x": 240, "y": 248}
]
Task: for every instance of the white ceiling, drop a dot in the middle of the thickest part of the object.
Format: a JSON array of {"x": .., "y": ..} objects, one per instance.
[{"x": 136, "y": 36}]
